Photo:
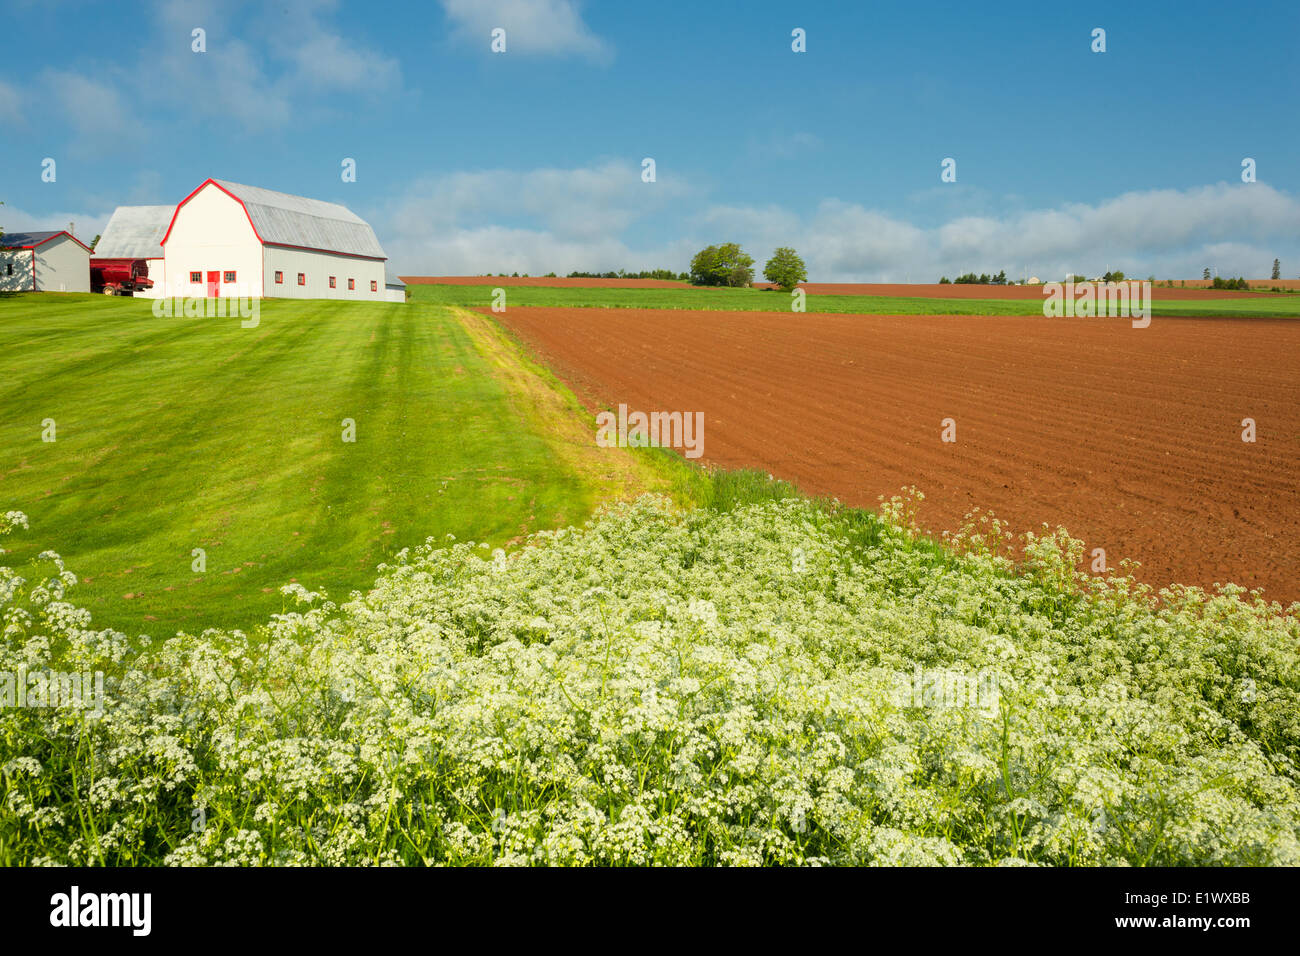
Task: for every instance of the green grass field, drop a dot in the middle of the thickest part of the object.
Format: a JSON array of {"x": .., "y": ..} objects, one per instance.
[
  {"x": 177, "y": 434},
  {"x": 480, "y": 296}
]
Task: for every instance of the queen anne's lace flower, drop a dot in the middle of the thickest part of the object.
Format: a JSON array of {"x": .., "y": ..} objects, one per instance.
[{"x": 668, "y": 688}]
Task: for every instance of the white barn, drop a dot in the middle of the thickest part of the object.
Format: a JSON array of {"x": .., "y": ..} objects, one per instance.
[
  {"x": 136, "y": 232},
  {"x": 226, "y": 239},
  {"x": 44, "y": 262}
]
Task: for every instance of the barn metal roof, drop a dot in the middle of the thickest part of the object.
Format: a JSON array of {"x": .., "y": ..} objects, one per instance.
[
  {"x": 391, "y": 279},
  {"x": 23, "y": 240},
  {"x": 30, "y": 240},
  {"x": 285, "y": 220},
  {"x": 135, "y": 232}
]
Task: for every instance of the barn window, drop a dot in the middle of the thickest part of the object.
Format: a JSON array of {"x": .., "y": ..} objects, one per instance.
[
  {"x": 10, "y": 267},
  {"x": 332, "y": 285},
  {"x": 352, "y": 283},
  {"x": 302, "y": 278},
  {"x": 279, "y": 278},
  {"x": 230, "y": 275},
  {"x": 196, "y": 276},
  {"x": 374, "y": 286}
]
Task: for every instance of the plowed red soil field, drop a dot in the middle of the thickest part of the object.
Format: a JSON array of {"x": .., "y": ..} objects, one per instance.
[
  {"x": 1130, "y": 438},
  {"x": 964, "y": 291}
]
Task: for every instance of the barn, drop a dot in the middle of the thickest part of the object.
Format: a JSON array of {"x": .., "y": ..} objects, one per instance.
[
  {"x": 136, "y": 232},
  {"x": 227, "y": 239},
  {"x": 44, "y": 262}
]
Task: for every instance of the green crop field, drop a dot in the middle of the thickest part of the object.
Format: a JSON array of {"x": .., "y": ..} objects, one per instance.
[
  {"x": 180, "y": 434},
  {"x": 480, "y": 296}
]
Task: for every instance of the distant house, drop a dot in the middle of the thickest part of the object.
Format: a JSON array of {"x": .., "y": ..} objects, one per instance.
[
  {"x": 44, "y": 262},
  {"x": 1033, "y": 280},
  {"x": 136, "y": 232}
]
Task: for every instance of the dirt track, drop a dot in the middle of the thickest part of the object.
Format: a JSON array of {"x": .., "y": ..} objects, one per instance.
[{"x": 1130, "y": 438}]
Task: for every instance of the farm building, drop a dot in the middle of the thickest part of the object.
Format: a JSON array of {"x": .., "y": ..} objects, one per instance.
[
  {"x": 44, "y": 262},
  {"x": 136, "y": 232},
  {"x": 395, "y": 287},
  {"x": 226, "y": 239}
]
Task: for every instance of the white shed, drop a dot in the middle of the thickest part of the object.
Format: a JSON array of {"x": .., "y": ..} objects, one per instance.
[
  {"x": 395, "y": 287},
  {"x": 44, "y": 262},
  {"x": 226, "y": 239}
]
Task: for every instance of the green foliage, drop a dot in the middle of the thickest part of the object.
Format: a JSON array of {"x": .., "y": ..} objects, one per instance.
[
  {"x": 944, "y": 280},
  {"x": 1277, "y": 269},
  {"x": 1222, "y": 283},
  {"x": 723, "y": 265},
  {"x": 785, "y": 269},
  {"x": 778, "y": 683},
  {"x": 1113, "y": 277},
  {"x": 666, "y": 274}
]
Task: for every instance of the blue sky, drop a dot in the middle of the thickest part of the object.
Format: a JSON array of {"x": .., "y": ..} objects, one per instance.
[{"x": 530, "y": 160}]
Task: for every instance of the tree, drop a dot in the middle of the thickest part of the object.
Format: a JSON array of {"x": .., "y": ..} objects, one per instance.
[
  {"x": 726, "y": 265},
  {"x": 1277, "y": 268},
  {"x": 785, "y": 269},
  {"x": 94, "y": 242},
  {"x": 944, "y": 280},
  {"x": 1207, "y": 273}
]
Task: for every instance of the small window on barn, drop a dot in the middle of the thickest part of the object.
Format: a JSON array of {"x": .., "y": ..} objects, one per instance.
[
  {"x": 332, "y": 285},
  {"x": 374, "y": 286},
  {"x": 279, "y": 278},
  {"x": 230, "y": 275},
  {"x": 10, "y": 267},
  {"x": 196, "y": 276},
  {"x": 302, "y": 278},
  {"x": 352, "y": 283}
]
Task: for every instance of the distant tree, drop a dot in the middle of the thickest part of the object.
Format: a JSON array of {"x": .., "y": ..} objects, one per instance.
[
  {"x": 1000, "y": 278},
  {"x": 94, "y": 242},
  {"x": 1206, "y": 275},
  {"x": 944, "y": 280},
  {"x": 1113, "y": 277},
  {"x": 1277, "y": 268},
  {"x": 726, "y": 264},
  {"x": 785, "y": 268}
]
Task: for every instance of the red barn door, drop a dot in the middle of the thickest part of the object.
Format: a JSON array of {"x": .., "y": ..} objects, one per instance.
[{"x": 214, "y": 284}]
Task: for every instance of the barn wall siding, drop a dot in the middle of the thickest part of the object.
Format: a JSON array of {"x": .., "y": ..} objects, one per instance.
[
  {"x": 62, "y": 265},
  {"x": 21, "y": 280},
  {"x": 317, "y": 267},
  {"x": 211, "y": 233}
]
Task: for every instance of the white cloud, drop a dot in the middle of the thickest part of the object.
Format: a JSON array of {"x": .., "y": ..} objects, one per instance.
[
  {"x": 10, "y": 101},
  {"x": 1169, "y": 233},
  {"x": 87, "y": 226},
  {"x": 531, "y": 221},
  {"x": 535, "y": 27},
  {"x": 597, "y": 217}
]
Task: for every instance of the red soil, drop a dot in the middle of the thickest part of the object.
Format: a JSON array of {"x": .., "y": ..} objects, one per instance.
[
  {"x": 1130, "y": 438},
  {"x": 558, "y": 282}
]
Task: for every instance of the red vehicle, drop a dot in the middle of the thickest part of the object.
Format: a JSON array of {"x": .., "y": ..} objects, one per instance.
[{"x": 119, "y": 276}]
